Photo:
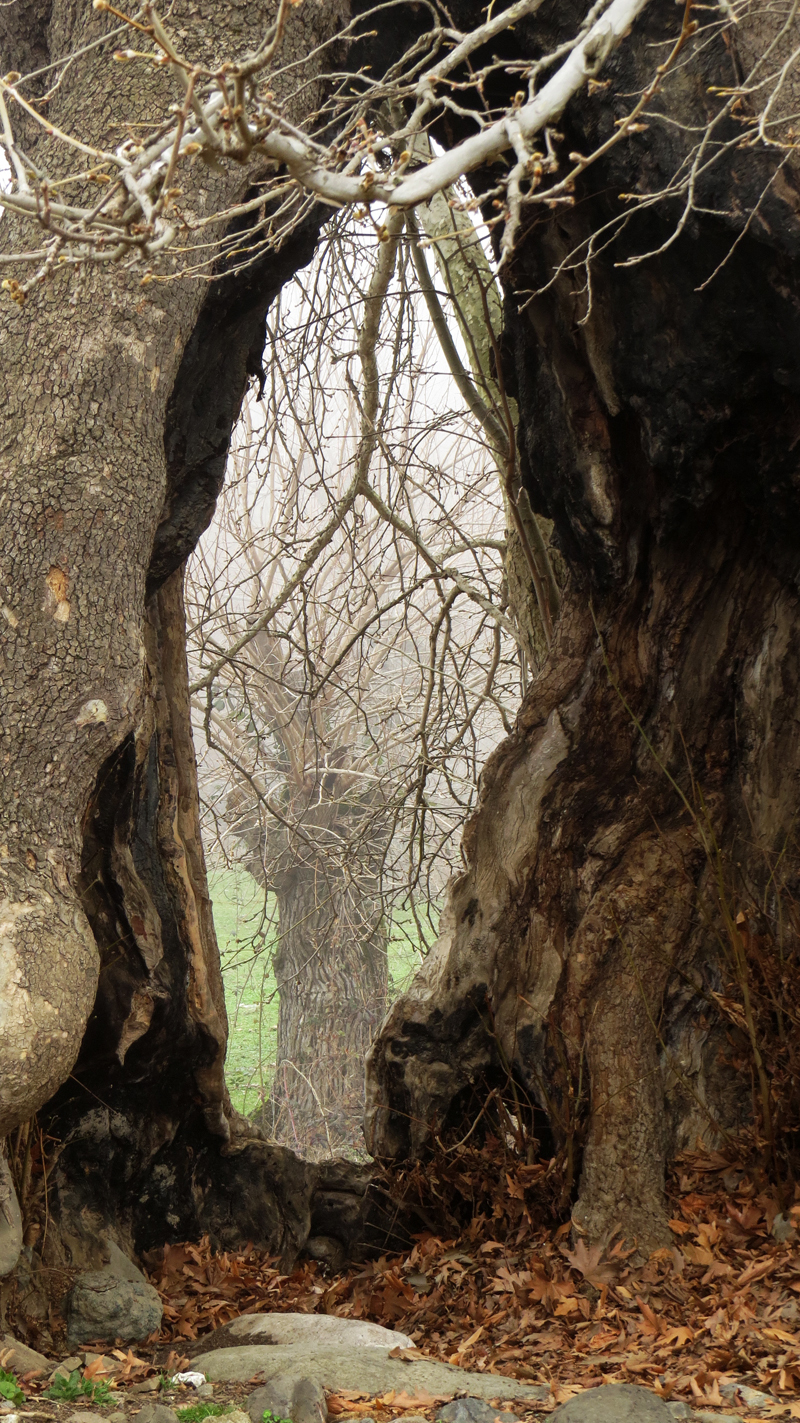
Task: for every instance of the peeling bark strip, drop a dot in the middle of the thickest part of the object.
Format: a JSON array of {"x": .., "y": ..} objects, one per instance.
[{"x": 659, "y": 430}]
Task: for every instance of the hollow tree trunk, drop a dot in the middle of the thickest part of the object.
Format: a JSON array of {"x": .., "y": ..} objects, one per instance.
[
  {"x": 116, "y": 404},
  {"x": 584, "y": 943}
]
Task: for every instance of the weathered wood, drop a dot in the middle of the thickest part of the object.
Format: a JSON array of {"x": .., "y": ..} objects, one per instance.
[{"x": 580, "y": 947}]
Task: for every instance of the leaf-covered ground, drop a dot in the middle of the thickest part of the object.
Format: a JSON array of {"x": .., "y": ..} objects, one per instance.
[{"x": 509, "y": 1295}]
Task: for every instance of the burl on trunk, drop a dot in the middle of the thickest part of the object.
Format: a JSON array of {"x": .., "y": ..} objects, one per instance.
[{"x": 648, "y": 796}]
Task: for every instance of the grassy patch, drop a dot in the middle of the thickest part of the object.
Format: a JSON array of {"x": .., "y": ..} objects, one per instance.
[
  {"x": 68, "y": 1390},
  {"x": 196, "y": 1412},
  {"x": 246, "y": 929}
]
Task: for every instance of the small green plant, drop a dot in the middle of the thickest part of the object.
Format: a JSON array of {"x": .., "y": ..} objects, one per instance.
[
  {"x": 268, "y": 1417},
  {"x": 196, "y": 1412},
  {"x": 67, "y": 1390},
  {"x": 9, "y": 1388}
]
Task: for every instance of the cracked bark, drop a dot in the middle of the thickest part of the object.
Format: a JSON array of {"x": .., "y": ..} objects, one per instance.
[
  {"x": 117, "y": 408},
  {"x": 659, "y": 436}
]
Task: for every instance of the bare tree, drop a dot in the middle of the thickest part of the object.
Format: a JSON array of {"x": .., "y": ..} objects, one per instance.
[{"x": 345, "y": 735}]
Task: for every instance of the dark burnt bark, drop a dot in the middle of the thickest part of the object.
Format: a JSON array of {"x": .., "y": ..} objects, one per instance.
[
  {"x": 585, "y": 940},
  {"x": 148, "y": 1146}
]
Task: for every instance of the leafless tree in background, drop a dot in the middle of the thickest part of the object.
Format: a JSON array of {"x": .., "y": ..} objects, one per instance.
[{"x": 355, "y": 656}]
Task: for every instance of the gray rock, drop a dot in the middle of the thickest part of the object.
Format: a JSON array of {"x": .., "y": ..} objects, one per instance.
[
  {"x": 300, "y": 1399},
  {"x": 370, "y": 1370},
  {"x": 703, "y": 1417},
  {"x": 751, "y": 1397},
  {"x": 22, "y": 1359},
  {"x": 153, "y": 1413},
  {"x": 120, "y": 1265},
  {"x": 683, "y": 1411},
  {"x": 82, "y": 1415},
  {"x": 614, "y": 1403},
  {"x": 67, "y": 1367},
  {"x": 118, "y": 1417},
  {"x": 310, "y": 1330},
  {"x": 108, "y": 1366},
  {"x": 205, "y": 1390},
  {"x": 101, "y": 1305},
  {"x": 471, "y": 1410}
]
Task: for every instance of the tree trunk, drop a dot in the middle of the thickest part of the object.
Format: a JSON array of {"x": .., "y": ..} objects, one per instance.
[
  {"x": 637, "y": 831},
  {"x": 116, "y": 405},
  {"x": 330, "y": 963},
  {"x": 331, "y": 969}
]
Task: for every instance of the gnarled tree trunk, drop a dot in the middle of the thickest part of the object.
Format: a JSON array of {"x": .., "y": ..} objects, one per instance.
[
  {"x": 116, "y": 405},
  {"x": 648, "y": 795}
]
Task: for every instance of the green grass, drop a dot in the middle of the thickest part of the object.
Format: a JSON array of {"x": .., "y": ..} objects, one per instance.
[
  {"x": 247, "y": 931},
  {"x": 196, "y": 1412}
]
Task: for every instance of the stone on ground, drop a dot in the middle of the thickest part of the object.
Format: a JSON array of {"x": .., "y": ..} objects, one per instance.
[
  {"x": 628, "y": 1403},
  {"x": 471, "y": 1410},
  {"x": 300, "y": 1399},
  {"x": 67, "y": 1367},
  {"x": 115, "y": 1302},
  {"x": 153, "y": 1413},
  {"x": 22, "y": 1359},
  {"x": 614, "y": 1403},
  {"x": 367, "y": 1369},
  {"x": 750, "y": 1397},
  {"x": 326, "y": 1330}
]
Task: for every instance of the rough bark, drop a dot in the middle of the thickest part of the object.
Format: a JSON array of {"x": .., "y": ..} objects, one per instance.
[
  {"x": 143, "y": 1143},
  {"x": 580, "y": 949},
  {"x": 332, "y": 968},
  {"x": 100, "y": 859}
]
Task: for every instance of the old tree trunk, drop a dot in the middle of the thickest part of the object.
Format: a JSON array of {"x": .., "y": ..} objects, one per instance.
[
  {"x": 582, "y": 952},
  {"x": 116, "y": 405},
  {"x": 630, "y": 879},
  {"x": 330, "y": 963}
]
